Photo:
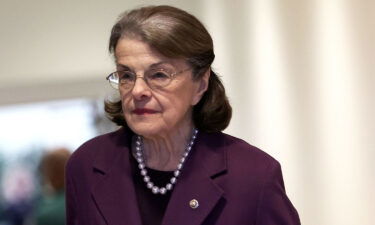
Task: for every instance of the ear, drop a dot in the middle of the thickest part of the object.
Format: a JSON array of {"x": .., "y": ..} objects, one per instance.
[{"x": 202, "y": 86}]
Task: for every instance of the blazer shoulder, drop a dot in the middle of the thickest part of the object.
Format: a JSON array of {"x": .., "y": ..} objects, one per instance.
[
  {"x": 102, "y": 146},
  {"x": 244, "y": 150},
  {"x": 244, "y": 158}
]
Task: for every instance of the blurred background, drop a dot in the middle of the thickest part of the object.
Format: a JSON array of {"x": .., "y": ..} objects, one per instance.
[{"x": 300, "y": 76}]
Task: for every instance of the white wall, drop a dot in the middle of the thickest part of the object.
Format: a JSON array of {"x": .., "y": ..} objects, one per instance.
[
  {"x": 300, "y": 76},
  {"x": 46, "y": 42}
]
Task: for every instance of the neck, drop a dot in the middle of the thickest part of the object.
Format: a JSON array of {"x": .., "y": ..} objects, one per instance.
[{"x": 164, "y": 152}]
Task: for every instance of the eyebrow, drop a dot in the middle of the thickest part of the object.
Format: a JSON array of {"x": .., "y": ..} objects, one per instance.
[{"x": 151, "y": 66}]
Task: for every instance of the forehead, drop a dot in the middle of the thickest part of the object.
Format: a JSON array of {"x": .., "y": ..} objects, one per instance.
[
  {"x": 133, "y": 47},
  {"x": 136, "y": 53}
]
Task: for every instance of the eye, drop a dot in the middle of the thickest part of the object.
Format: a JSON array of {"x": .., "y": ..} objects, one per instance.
[
  {"x": 126, "y": 76},
  {"x": 158, "y": 75}
]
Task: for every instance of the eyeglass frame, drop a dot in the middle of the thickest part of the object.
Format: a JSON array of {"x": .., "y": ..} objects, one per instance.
[{"x": 118, "y": 85}]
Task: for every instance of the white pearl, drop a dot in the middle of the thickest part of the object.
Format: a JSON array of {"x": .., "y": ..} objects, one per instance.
[
  {"x": 168, "y": 186},
  {"x": 179, "y": 166},
  {"x": 138, "y": 148},
  {"x": 139, "y": 160},
  {"x": 173, "y": 180},
  {"x": 176, "y": 173},
  {"x": 162, "y": 190},
  {"x": 146, "y": 178},
  {"x": 155, "y": 190},
  {"x": 139, "y": 154},
  {"x": 141, "y": 166},
  {"x": 143, "y": 172},
  {"x": 182, "y": 160},
  {"x": 185, "y": 154},
  {"x": 150, "y": 185}
]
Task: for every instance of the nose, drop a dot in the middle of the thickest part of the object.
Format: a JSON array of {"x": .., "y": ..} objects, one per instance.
[{"x": 140, "y": 90}]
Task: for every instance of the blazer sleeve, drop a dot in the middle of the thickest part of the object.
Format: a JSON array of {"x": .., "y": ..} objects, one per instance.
[
  {"x": 274, "y": 206},
  {"x": 70, "y": 198}
]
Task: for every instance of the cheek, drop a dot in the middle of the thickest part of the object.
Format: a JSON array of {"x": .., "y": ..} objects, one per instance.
[
  {"x": 186, "y": 95},
  {"x": 125, "y": 101},
  {"x": 126, "y": 105},
  {"x": 177, "y": 103}
]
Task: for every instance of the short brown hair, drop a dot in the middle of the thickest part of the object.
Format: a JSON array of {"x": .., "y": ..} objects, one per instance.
[{"x": 176, "y": 34}]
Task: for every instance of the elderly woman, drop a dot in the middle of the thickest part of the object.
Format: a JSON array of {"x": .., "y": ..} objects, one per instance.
[{"x": 169, "y": 163}]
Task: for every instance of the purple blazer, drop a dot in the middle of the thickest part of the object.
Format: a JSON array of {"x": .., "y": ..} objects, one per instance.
[{"x": 234, "y": 183}]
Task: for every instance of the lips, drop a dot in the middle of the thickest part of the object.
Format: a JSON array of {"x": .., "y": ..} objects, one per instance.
[{"x": 142, "y": 111}]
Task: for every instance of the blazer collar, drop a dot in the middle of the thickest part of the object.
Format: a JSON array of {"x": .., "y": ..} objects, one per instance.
[
  {"x": 115, "y": 196},
  {"x": 207, "y": 162},
  {"x": 114, "y": 193}
]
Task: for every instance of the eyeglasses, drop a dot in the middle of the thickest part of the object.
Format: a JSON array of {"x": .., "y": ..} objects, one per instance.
[{"x": 154, "y": 78}]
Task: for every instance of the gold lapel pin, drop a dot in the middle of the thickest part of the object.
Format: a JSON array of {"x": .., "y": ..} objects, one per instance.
[{"x": 194, "y": 204}]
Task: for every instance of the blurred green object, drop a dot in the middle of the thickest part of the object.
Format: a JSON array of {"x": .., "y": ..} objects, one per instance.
[{"x": 51, "y": 210}]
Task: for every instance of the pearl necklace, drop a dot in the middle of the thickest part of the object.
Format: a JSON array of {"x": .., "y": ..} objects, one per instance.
[{"x": 142, "y": 166}]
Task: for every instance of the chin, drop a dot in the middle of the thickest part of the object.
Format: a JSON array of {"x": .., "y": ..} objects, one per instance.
[
  {"x": 146, "y": 130},
  {"x": 146, "y": 126}
]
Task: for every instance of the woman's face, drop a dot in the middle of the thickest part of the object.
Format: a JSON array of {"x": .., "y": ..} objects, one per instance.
[{"x": 159, "y": 111}]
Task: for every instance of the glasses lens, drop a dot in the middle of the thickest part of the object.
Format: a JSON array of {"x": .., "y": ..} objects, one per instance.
[
  {"x": 113, "y": 80},
  {"x": 154, "y": 78},
  {"x": 158, "y": 78},
  {"x": 126, "y": 79}
]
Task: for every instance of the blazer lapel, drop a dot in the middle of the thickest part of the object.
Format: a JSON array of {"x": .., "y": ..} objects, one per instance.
[
  {"x": 208, "y": 160},
  {"x": 114, "y": 194}
]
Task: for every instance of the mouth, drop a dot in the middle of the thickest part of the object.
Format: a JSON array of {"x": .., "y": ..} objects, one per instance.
[{"x": 143, "y": 111}]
